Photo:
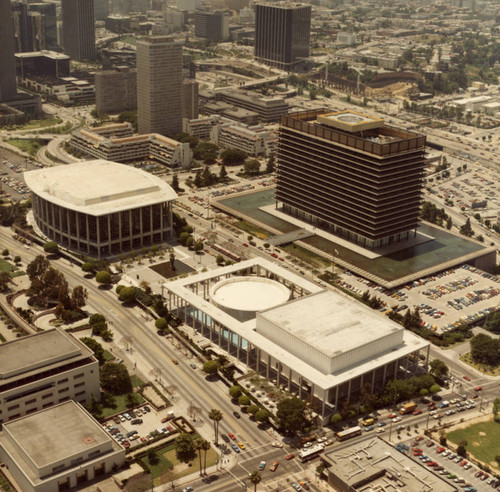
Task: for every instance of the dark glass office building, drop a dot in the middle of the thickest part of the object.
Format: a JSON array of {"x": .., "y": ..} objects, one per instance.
[
  {"x": 79, "y": 29},
  {"x": 350, "y": 174},
  {"x": 282, "y": 34},
  {"x": 7, "y": 60}
]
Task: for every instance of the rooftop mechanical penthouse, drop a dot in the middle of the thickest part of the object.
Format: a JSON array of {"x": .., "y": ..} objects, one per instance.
[{"x": 351, "y": 174}]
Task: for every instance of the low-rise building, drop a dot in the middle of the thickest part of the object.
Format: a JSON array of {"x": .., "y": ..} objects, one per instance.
[
  {"x": 41, "y": 370},
  {"x": 105, "y": 143},
  {"x": 254, "y": 140},
  {"x": 57, "y": 449},
  {"x": 376, "y": 465}
]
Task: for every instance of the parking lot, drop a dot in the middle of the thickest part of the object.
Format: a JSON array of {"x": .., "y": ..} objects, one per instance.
[
  {"x": 12, "y": 183},
  {"x": 449, "y": 465},
  {"x": 472, "y": 188},
  {"x": 140, "y": 425},
  {"x": 445, "y": 300}
]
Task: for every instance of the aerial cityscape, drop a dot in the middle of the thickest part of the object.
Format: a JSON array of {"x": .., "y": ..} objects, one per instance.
[{"x": 249, "y": 245}]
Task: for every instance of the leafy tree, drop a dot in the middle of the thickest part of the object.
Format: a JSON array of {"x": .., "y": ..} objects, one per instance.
[
  {"x": 222, "y": 173},
  {"x": 198, "y": 245},
  {"x": 435, "y": 388},
  {"x": 219, "y": 259},
  {"x": 492, "y": 322},
  {"x": 5, "y": 252},
  {"x": 51, "y": 247},
  {"x": 290, "y": 412},
  {"x": 424, "y": 392},
  {"x": 466, "y": 229},
  {"x": 17, "y": 259},
  {"x": 198, "y": 182},
  {"x": 4, "y": 280},
  {"x": 235, "y": 391},
  {"x": 438, "y": 368},
  {"x": 233, "y": 157},
  {"x": 161, "y": 324},
  {"x": 255, "y": 478},
  {"x": 96, "y": 347},
  {"x": 461, "y": 451},
  {"x": 37, "y": 267},
  {"x": 252, "y": 409},
  {"x": 252, "y": 166},
  {"x": 127, "y": 295},
  {"x": 496, "y": 408},
  {"x": 336, "y": 418},
  {"x": 103, "y": 277},
  {"x": 262, "y": 416},
  {"x": 205, "y": 151},
  {"x": 115, "y": 378},
  {"x": 211, "y": 367},
  {"x": 243, "y": 400},
  {"x": 153, "y": 458},
  {"x": 88, "y": 267},
  {"x": 175, "y": 183},
  {"x": 485, "y": 349},
  {"x": 216, "y": 416}
]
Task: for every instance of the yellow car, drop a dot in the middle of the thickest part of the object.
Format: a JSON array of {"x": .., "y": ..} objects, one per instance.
[{"x": 241, "y": 445}]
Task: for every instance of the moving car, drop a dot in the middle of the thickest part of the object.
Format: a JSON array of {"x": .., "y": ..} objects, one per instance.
[
  {"x": 262, "y": 465},
  {"x": 274, "y": 466}
]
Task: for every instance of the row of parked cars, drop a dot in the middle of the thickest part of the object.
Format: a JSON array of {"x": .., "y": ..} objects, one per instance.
[{"x": 453, "y": 457}]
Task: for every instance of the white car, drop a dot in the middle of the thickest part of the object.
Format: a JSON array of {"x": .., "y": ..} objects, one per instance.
[
  {"x": 277, "y": 444},
  {"x": 397, "y": 419},
  {"x": 322, "y": 439}
]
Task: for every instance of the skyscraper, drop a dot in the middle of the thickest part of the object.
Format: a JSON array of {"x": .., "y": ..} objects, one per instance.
[
  {"x": 159, "y": 85},
  {"x": 7, "y": 59},
  {"x": 78, "y": 29},
  {"x": 282, "y": 34},
  {"x": 350, "y": 174}
]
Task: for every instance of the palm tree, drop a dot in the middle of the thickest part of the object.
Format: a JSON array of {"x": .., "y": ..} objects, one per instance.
[
  {"x": 255, "y": 478},
  {"x": 205, "y": 445},
  {"x": 198, "y": 447},
  {"x": 216, "y": 416}
]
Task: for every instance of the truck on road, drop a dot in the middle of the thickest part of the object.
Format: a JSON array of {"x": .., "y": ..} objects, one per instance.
[{"x": 408, "y": 408}]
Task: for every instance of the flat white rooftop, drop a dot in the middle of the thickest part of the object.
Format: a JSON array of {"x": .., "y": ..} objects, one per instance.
[
  {"x": 36, "y": 351},
  {"x": 98, "y": 187},
  {"x": 51, "y": 435},
  {"x": 331, "y": 323}
]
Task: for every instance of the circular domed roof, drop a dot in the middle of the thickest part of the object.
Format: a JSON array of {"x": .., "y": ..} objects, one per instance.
[{"x": 248, "y": 293}]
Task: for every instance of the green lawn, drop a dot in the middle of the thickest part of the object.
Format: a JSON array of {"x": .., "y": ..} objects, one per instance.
[
  {"x": 136, "y": 381},
  {"x": 482, "y": 441},
  {"x": 306, "y": 255},
  {"x": 121, "y": 405},
  {"x": 39, "y": 123},
  {"x": 167, "y": 459},
  {"x": 253, "y": 229},
  {"x": 25, "y": 145},
  {"x": 108, "y": 356},
  {"x": 6, "y": 266}
]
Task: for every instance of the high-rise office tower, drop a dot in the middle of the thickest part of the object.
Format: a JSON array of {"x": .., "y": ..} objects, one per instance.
[
  {"x": 159, "y": 85},
  {"x": 350, "y": 174},
  {"x": 48, "y": 11},
  {"x": 116, "y": 90},
  {"x": 101, "y": 9},
  {"x": 190, "y": 108},
  {"x": 282, "y": 34},
  {"x": 211, "y": 25},
  {"x": 7, "y": 59},
  {"x": 78, "y": 29}
]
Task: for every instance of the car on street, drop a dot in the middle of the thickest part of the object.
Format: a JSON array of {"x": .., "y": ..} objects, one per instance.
[
  {"x": 232, "y": 436},
  {"x": 478, "y": 388},
  {"x": 397, "y": 419},
  {"x": 241, "y": 445},
  {"x": 322, "y": 439},
  {"x": 193, "y": 365},
  {"x": 225, "y": 438},
  {"x": 175, "y": 361},
  {"x": 304, "y": 485},
  {"x": 188, "y": 489},
  {"x": 262, "y": 465},
  {"x": 290, "y": 456},
  {"x": 274, "y": 466},
  {"x": 467, "y": 378},
  {"x": 418, "y": 411},
  {"x": 296, "y": 487},
  {"x": 236, "y": 448},
  {"x": 369, "y": 428},
  {"x": 392, "y": 415},
  {"x": 237, "y": 415},
  {"x": 277, "y": 444},
  {"x": 381, "y": 424}
]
